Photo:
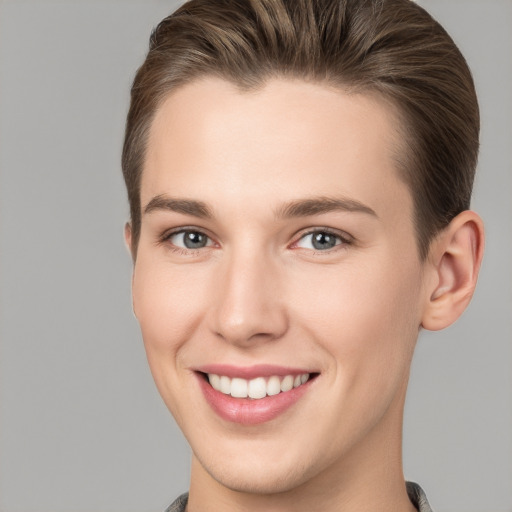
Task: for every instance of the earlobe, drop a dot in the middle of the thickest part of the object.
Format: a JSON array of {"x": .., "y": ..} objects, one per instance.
[{"x": 455, "y": 258}]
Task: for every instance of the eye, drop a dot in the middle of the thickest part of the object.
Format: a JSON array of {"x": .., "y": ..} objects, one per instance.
[
  {"x": 189, "y": 239},
  {"x": 320, "y": 240}
]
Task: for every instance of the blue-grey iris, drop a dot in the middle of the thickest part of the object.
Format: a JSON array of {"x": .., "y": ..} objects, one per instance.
[
  {"x": 194, "y": 240},
  {"x": 322, "y": 241}
]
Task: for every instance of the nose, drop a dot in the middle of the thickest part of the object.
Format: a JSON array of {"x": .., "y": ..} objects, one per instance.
[{"x": 248, "y": 307}]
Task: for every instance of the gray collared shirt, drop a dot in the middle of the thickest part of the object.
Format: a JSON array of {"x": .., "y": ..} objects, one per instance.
[{"x": 415, "y": 492}]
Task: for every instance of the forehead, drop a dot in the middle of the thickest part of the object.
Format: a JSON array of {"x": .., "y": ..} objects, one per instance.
[{"x": 282, "y": 140}]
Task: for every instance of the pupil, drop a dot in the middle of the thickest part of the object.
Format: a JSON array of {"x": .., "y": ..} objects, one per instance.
[
  {"x": 323, "y": 241},
  {"x": 194, "y": 240}
]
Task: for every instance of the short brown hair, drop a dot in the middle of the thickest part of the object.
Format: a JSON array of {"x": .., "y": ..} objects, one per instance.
[{"x": 390, "y": 47}]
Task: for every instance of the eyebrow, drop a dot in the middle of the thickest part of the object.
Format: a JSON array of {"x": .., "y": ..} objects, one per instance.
[
  {"x": 319, "y": 205},
  {"x": 185, "y": 206},
  {"x": 299, "y": 208}
]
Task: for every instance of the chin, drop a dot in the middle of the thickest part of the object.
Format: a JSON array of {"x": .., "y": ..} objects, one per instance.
[
  {"x": 261, "y": 472},
  {"x": 251, "y": 479}
]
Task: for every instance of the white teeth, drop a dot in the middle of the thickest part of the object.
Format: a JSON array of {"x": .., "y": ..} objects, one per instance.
[
  {"x": 259, "y": 387},
  {"x": 225, "y": 385},
  {"x": 214, "y": 381},
  {"x": 239, "y": 388},
  {"x": 273, "y": 386},
  {"x": 287, "y": 383}
]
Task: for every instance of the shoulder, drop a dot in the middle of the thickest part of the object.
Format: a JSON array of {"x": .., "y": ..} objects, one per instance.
[
  {"x": 179, "y": 504},
  {"x": 418, "y": 497}
]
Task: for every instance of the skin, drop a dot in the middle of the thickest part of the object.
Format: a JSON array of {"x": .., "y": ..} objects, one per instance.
[{"x": 260, "y": 293}]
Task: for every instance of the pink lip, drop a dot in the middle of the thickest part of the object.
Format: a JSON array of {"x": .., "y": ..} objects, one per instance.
[
  {"x": 246, "y": 411},
  {"x": 250, "y": 372}
]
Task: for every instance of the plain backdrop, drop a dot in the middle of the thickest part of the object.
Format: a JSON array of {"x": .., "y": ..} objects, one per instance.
[{"x": 82, "y": 426}]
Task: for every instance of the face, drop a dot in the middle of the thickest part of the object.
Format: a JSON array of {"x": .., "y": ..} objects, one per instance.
[{"x": 277, "y": 259}]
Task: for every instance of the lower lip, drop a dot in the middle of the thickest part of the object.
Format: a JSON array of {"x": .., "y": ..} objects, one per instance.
[{"x": 246, "y": 411}]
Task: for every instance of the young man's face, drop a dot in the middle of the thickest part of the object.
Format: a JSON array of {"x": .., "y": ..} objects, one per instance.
[{"x": 277, "y": 240}]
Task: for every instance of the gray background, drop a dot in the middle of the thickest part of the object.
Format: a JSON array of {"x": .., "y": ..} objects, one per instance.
[{"x": 82, "y": 427}]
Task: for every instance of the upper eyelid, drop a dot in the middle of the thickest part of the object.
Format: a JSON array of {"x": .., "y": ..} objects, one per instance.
[
  {"x": 343, "y": 235},
  {"x": 183, "y": 229}
]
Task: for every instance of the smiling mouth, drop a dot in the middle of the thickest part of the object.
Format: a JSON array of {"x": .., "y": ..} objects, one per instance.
[
  {"x": 252, "y": 395},
  {"x": 257, "y": 388}
]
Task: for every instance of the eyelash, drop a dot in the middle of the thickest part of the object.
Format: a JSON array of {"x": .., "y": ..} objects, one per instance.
[
  {"x": 345, "y": 240},
  {"x": 183, "y": 251}
]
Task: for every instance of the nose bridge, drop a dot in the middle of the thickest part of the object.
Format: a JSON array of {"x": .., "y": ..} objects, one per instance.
[{"x": 248, "y": 304}]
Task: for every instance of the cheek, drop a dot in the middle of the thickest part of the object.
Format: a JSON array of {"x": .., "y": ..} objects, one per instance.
[
  {"x": 366, "y": 318},
  {"x": 168, "y": 303}
]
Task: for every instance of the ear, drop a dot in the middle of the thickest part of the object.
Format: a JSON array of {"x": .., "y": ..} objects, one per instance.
[
  {"x": 454, "y": 261},
  {"x": 128, "y": 237},
  {"x": 128, "y": 242}
]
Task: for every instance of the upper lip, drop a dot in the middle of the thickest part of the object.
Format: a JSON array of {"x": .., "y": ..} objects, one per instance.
[{"x": 250, "y": 372}]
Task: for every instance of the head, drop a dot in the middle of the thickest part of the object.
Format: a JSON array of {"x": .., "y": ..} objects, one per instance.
[{"x": 298, "y": 175}]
